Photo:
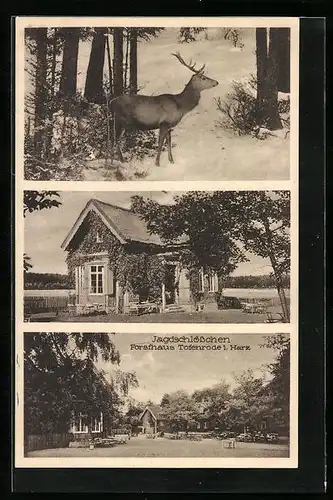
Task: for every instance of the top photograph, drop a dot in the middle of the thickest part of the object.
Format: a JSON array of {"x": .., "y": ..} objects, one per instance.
[{"x": 156, "y": 103}]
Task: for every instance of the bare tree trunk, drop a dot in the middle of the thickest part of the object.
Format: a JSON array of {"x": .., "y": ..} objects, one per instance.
[
  {"x": 271, "y": 103},
  {"x": 277, "y": 275},
  {"x": 126, "y": 57},
  {"x": 52, "y": 107},
  {"x": 108, "y": 50},
  {"x": 40, "y": 89},
  {"x": 93, "y": 91},
  {"x": 68, "y": 79},
  {"x": 133, "y": 61},
  {"x": 118, "y": 61},
  {"x": 283, "y": 79},
  {"x": 261, "y": 56},
  {"x": 54, "y": 63},
  {"x": 267, "y": 75}
]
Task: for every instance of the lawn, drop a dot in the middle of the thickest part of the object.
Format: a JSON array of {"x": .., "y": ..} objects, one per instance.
[
  {"x": 161, "y": 447},
  {"x": 226, "y": 316}
]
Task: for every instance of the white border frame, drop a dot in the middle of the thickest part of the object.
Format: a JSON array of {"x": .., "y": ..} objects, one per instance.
[{"x": 292, "y": 185}]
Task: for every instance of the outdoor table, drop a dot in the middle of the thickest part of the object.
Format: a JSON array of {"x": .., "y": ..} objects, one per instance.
[{"x": 148, "y": 307}]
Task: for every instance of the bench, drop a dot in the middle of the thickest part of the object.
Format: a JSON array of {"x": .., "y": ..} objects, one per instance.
[
  {"x": 143, "y": 308},
  {"x": 44, "y": 317}
]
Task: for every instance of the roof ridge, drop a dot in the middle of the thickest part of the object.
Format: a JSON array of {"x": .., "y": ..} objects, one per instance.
[{"x": 114, "y": 206}]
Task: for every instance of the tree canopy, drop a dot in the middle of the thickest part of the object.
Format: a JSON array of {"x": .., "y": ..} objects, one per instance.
[
  {"x": 60, "y": 377},
  {"x": 219, "y": 228},
  {"x": 254, "y": 397}
]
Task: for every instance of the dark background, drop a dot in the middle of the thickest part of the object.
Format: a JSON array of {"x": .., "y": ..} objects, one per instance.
[{"x": 309, "y": 477}]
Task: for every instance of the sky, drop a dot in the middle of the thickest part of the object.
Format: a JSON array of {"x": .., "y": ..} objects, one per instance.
[
  {"x": 160, "y": 372},
  {"x": 45, "y": 230}
]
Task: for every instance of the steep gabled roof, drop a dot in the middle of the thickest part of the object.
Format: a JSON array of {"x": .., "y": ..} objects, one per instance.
[
  {"x": 123, "y": 223},
  {"x": 128, "y": 224},
  {"x": 154, "y": 410}
]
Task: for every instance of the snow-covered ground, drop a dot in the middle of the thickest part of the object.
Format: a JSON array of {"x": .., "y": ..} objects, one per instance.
[{"x": 203, "y": 150}]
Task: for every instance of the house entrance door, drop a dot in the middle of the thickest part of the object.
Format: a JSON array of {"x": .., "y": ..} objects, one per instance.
[{"x": 170, "y": 279}]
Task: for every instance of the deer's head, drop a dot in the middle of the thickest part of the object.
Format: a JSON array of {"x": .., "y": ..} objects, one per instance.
[{"x": 199, "y": 80}]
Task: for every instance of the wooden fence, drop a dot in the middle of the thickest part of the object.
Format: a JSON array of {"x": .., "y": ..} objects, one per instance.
[
  {"x": 48, "y": 303},
  {"x": 43, "y": 442}
]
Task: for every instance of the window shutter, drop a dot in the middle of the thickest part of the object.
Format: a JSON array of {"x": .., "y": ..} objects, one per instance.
[
  {"x": 110, "y": 280},
  {"x": 86, "y": 280}
]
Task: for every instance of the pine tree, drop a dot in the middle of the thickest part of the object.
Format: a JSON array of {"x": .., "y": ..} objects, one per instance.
[
  {"x": 94, "y": 82},
  {"x": 118, "y": 38},
  {"x": 268, "y": 65},
  {"x": 133, "y": 61},
  {"x": 40, "y": 36},
  {"x": 68, "y": 81}
]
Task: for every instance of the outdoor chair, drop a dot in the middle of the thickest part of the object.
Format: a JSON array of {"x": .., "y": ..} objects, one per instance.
[
  {"x": 274, "y": 317},
  {"x": 260, "y": 307},
  {"x": 246, "y": 307},
  {"x": 133, "y": 307}
]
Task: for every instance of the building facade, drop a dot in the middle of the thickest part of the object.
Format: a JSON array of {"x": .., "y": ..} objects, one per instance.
[{"x": 108, "y": 244}]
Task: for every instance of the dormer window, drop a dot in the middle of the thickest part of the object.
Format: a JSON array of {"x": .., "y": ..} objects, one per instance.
[{"x": 99, "y": 238}]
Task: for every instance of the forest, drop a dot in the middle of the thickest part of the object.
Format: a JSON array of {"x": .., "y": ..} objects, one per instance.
[
  {"x": 66, "y": 127},
  {"x": 54, "y": 281}
]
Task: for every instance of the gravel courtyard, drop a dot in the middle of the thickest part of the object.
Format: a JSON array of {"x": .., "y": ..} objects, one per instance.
[
  {"x": 226, "y": 316},
  {"x": 161, "y": 447}
]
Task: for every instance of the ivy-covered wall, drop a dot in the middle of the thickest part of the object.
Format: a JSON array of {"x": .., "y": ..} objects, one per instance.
[{"x": 137, "y": 267}]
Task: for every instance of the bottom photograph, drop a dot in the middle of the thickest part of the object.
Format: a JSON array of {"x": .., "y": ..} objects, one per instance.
[{"x": 146, "y": 395}]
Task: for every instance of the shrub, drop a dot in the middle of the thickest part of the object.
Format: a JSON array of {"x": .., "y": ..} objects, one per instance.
[
  {"x": 233, "y": 35},
  {"x": 240, "y": 109},
  {"x": 139, "y": 143},
  {"x": 187, "y": 35},
  {"x": 76, "y": 132}
]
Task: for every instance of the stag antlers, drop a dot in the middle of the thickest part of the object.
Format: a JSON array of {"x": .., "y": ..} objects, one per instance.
[{"x": 190, "y": 65}]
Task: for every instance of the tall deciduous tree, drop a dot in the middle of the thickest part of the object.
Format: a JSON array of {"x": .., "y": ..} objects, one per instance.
[
  {"x": 60, "y": 377},
  {"x": 68, "y": 81},
  {"x": 94, "y": 91},
  {"x": 212, "y": 402},
  {"x": 39, "y": 200},
  {"x": 278, "y": 389},
  {"x": 245, "y": 408},
  {"x": 179, "y": 411},
  {"x": 213, "y": 225},
  {"x": 264, "y": 229},
  {"x": 203, "y": 221}
]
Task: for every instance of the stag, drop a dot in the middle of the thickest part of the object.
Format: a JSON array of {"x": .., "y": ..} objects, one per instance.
[{"x": 161, "y": 112}]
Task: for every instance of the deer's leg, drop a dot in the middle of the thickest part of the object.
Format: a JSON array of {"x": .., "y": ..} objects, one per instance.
[
  {"x": 169, "y": 147},
  {"x": 162, "y": 135}
]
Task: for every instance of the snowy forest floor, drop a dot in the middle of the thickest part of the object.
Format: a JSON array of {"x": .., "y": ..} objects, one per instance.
[{"x": 203, "y": 150}]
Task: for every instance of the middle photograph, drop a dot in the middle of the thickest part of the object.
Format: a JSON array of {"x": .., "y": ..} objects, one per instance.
[{"x": 164, "y": 257}]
